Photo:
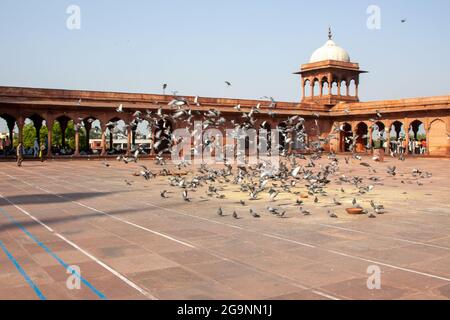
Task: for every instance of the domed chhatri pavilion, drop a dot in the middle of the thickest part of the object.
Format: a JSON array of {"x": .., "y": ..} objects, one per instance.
[
  {"x": 330, "y": 66},
  {"x": 329, "y": 84}
]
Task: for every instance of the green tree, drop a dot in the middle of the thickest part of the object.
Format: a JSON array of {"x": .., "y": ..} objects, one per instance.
[
  {"x": 377, "y": 144},
  {"x": 421, "y": 136},
  {"x": 29, "y": 134},
  {"x": 56, "y": 134}
]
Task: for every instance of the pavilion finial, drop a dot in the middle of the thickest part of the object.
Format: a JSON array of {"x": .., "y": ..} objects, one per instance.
[{"x": 330, "y": 35}]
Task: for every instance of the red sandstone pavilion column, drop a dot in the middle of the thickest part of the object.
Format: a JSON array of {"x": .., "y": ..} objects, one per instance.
[
  {"x": 427, "y": 131},
  {"x": 20, "y": 123},
  {"x": 128, "y": 141},
  {"x": 290, "y": 147},
  {"x": 152, "y": 146},
  {"x": 50, "y": 137},
  {"x": 77, "y": 140},
  {"x": 406, "y": 125},
  {"x": 303, "y": 89},
  {"x": 104, "y": 127},
  {"x": 388, "y": 140}
]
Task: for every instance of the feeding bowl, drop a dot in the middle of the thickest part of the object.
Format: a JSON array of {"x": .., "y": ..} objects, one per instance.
[{"x": 354, "y": 210}]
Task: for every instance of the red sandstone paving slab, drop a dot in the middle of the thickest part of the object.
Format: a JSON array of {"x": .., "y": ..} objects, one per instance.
[
  {"x": 443, "y": 291},
  {"x": 203, "y": 291},
  {"x": 56, "y": 291},
  {"x": 401, "y": 279},
  {"x": 357, "y": 289},
  {"x": 118, "y": 251},
  {"x": 80, "y": 233},
  {"x": 424, "y": 296},
  {"x": 243, "y": 251},
  {"x": 363, "y": 248},
  {"x": 442, "y": 241},
  {"x": 296, "y": 268},
  {"x": 315, "y": 239},
  {"x": 88, "y": 270},
  {"x": 340, "y": 263},
  {"x": 318, "y": 274},
  {"x": 440, "y": 266},
  {"x": 7, "y": 267},
  {"x": 213, "y": 230},
  {"x": 24, "y": 292},
  {"x": 339, "y": 234},
  {"x": 389, "y": 226},
  {"x": 10, "y": 276},
  {"x": 6, "y": 264},
  {"x": 421, "y": 235},
  {"x": 219, "y": 270},
  {"x": 400, "y": 256},
  {"x": 57, "y": 245},
  {"x": 215, "y": 241},
  {"x": 140, "y": 263},
  {"x": 269, "y": 242},
  {"x": 283, "y": 263},
  {"x": 83, "y": 293},
  {"x": 160, "y": 247},
  {"x": 111, "y": 287},
  {"x": 101, "y": 242},
  {"x": 300, "y": 295},
  {"x": 190, "y": 256},
  {"x": 140, "y": 237},
  {"x": 11, "y": 244},
  {"x": 435, "y": 252},
  {"x": 14, "y": 279},
  {"x": 313, "y": 254},
  {"x": 249, "y": 238},
  {"x": 69, "y": 256},
  {"x": 189, "y": 233},
  {"x": 168, "y": 278},
  {"x": 258, "y": 286},
  {"x": 122, "y": 230},
  {"x": 21, "y": 290}
]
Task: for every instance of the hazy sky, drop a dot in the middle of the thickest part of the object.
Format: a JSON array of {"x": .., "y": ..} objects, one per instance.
[{"x": 194, "y": 46}]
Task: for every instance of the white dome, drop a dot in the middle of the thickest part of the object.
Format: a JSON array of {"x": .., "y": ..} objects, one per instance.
[{"x": 330, "y": 51}]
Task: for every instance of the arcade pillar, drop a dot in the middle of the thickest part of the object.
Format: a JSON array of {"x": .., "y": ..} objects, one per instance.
[
  {"x": 20, "y": 124},
  {"x": 88, "y": 127},
  {"x": 77, "y": 140},
  {"x": 49, "y": 137},
  {"x": 63, "y": 125},
  {"x": 104, "y": 140},
  {"x": 129, "y": 133}
]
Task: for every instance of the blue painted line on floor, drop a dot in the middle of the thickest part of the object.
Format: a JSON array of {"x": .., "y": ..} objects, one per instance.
[
  {"x": 49, "y": 251},
  {"x": 22, "y": 272}
]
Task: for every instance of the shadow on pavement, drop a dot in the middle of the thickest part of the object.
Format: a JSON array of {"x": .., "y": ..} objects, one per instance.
[
  {"x": 43, "y": 198},
  {"x": 67, "y": 218}
]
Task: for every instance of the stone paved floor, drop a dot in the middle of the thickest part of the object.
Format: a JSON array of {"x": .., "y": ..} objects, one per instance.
[{"x": 130, "y": 243}]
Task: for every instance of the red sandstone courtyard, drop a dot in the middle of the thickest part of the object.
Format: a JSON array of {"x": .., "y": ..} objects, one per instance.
[{"x": 130, "y": 243}]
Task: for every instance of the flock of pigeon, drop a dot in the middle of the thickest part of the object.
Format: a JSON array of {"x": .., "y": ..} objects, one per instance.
[{"x": 258, "y": 181}]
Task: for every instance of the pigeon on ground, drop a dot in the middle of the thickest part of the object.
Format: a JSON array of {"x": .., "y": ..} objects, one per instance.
[
  {"x": 163, "y": 194},
  {"x": 332, "y": 214},
  {"x": 254, "y": 214}
]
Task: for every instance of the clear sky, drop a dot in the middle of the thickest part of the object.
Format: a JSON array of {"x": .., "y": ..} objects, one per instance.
[{"x": 194, "y": 46}]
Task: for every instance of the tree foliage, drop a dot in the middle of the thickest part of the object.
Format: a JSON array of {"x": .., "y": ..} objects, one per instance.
[{"x": 29, "y": 134}]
